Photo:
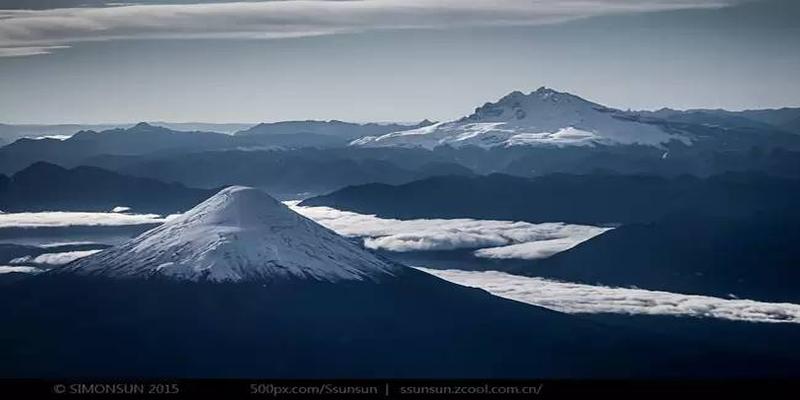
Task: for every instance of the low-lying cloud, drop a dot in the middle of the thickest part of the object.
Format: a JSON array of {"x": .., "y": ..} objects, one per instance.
[
  {"x": 581, "y": 298},
  {"x": 69, "y": 243},
  {"x": 50, "y": 219},
  {"x": 7, "y": 269},
  {"x": 53, "y": 258},
  {"x": 32, "y": 32},
  {"x": 495, "y": 239},
  {"x": 492, "y": 239},
  {"x": 534, "y": 250}
]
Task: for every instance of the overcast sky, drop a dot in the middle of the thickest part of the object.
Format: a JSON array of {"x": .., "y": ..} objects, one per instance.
[{"x": 385, "y": 60}]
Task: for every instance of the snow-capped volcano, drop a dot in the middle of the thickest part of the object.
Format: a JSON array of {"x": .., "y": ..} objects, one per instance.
[
  {"x": 238, "y": 234},
  {"x": 543, "y": 117}
]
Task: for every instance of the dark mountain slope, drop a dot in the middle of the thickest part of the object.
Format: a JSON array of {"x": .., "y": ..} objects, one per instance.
[
  {"x": 753, "y": 258},
  {"x": 411, "y": 326},
  {"x": 594, "y": 199},
  {"x": 287, "y": 173},
  {"x": 48, "y": 187}
]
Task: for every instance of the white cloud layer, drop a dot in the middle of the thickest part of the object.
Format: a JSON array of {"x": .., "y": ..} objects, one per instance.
[
  {"x": 6, "y": 269},
  {"x": 67, "y": 218},
  {"x": 68, "y": 243},
  {"x": 572, "y": 235},
  {"x": 53, "y": 258},
  {"x": 580, "y": 298},
  {"x": 31, "y": 32},
  {"x": 495, "y": 239}
]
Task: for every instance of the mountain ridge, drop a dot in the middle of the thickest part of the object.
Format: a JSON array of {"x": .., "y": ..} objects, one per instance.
[
  {"x": 44, "y": 186},
  {"x": 581, "y": 199},
  {"x": 340, "y": 129}
]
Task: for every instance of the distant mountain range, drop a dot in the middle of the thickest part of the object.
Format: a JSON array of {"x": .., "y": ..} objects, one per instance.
[
  {"x": 48, "y": 187},
  {"x": 784, "y": 119},
  {"x": 342, "y": 130},
  {"x": 140, "y": 139},
  {"x": 287, "y": 174},
  {"x": 11, "y": 132},
  {"x": 151, "y": 140},
  {"x": 527, "y": 135},
  {"x": 293, "y": 164},
  {"x": 550, "y": 118}
]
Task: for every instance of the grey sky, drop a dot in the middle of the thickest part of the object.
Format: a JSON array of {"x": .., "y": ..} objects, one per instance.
[{"x": 381, "y": 67}]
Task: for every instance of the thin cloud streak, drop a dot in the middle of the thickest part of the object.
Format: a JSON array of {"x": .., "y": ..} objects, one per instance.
[
  {"x": 578, "y": 298},
  {"x": 53, "y": 258},
  {"x": 51, "y": 219},
  {"x": 542, "y": 248},
  {"x": 7, "y": 269},
  {"x": 33, "y": 32}
]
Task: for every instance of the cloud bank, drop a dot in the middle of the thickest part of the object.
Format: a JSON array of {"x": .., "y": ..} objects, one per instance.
[
  {"x": 495, "y": 239},
  {"x": 50, "y": 219},
  {"x": 33, "y": 32},
  {"x": 580, "y": 298}
]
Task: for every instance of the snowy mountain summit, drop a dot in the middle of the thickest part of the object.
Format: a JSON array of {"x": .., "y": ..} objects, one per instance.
[
  {"x": 544, "y": 117},
  {"x": 239, "y": 234}
]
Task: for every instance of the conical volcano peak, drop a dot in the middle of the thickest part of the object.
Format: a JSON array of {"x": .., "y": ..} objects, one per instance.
[
  {"x": 242, "y": 197},
  {"x": 244, "y": 193},
  {"x": 239, "y": 234},
  {"x": 239, "y": 206}
]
